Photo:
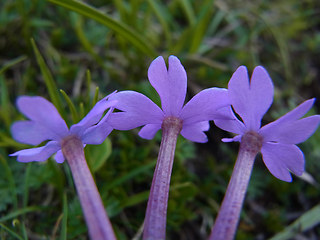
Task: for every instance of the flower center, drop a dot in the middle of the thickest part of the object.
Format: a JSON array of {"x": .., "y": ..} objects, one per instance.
[
  {"x": 70, "y": 142},
  {"x": 172, "y": 123},
  {"x": 252, "y": 142}
]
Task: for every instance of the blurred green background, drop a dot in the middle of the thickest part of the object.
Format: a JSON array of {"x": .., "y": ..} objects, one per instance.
[{"x": 110, "y": 44}]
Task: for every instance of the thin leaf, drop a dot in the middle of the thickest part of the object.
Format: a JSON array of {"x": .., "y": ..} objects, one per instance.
[
  {"x": 11, "y": 181},
  {"x": 48, "y": 79},
  {"x": 135, "y": 199},
  {"x": 162, "y": 14},
  {"x": 78, "y": 26},
  {"x": 187, "y": 7},
  {"x": 5, "y": 112},
  {"x": 200, "y": 28},
  {"x": 11, "y": 232},
  {"x": 75, "y": 117},
  {"x": 125, "y": 31},
  {"x": 98, "y": 154},
  {"x": 120, "y": 180},
  {"x": 63, "y": 234},
  {"x": 96, "y": 96},
  {"x": 11, "y": 63},
  {"x": 307, "y": 221},
  {"x": 89, "y": 80},
  {"x": 19, "y": 212}
]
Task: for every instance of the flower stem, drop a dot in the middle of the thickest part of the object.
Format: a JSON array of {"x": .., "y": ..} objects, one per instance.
[
  {"x": 229, "y": 213},
  {"x": 95, "y": 215},
  {"x": 156, "y": 214}
]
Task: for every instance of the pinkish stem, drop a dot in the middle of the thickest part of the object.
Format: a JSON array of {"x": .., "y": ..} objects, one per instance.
[
  {"x": 95, "y": 215},
  {"x": 156, "y": 214},
  {"x": 226, "y": 223}
]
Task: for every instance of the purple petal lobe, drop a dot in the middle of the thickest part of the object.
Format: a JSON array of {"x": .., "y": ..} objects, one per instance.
[
  {"x": 298, "y": 112},
  {"x": 261, "y": 94},
  {"x": 239, "y": 91},
  {"x": 195, "y": 132},
  {"x": 230, "y": 124},
  {"x": 93, "y": 116},
  {"x": 59, "y": 157},
  {"x": 30, "y": 132},
  {"x": 43, "y": 112},
  {"x": 234, "y": 139},
  {"x": 205, "y": 106},
  {"x": 280, "y": 158},
  {"x": 251, "y": 100},
  {"x": 290, "y": 132},
  {"x": 37, "y": 154},
  {"x": 170, "y": 84},
  {"x": 98, "y": 133},
  {"x": 270, "y": 131},
  {"x": 137, "y": 110},
  {"x": 149, "y": 130}
]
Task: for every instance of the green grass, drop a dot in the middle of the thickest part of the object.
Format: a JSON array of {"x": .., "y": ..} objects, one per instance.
[{"x": 66, "y": 50}]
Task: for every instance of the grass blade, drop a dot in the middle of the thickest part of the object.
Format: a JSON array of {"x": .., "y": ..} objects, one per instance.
[
  {"x": 120, "y": 28},
  {"x": 19, "y": 212},
  {"x": 75, "y": 117},
  {"x": 11, "y": 232},
  {"x": 187, "y": 7},
  {"x": 163, "y": 17},
  {"x": 12, "y": 63},
  {"x": 63, "y": 235},
  {"x": 48, "y": 79},
  {"x": 11, "y": 181},
  {"x": 308, "y": 220}
]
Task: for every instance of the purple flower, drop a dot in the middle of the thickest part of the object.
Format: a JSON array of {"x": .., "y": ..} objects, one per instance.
[
  {"x": 46, "y": 124},
  {"x": 277, "y": 140},
  {"x": 171, "y": 85}
]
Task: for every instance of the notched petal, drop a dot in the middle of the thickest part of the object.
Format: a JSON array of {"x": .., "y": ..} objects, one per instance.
[
  {"x": 37, "y": 154},
  {"x": 42, "y": 111},
  {"x": 195, "y": 132},
  {"x": 149, "y": 131}
]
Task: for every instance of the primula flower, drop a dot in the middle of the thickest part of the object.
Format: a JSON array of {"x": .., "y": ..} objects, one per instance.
[
  {"x": 190, "y": 120},
  {"x": 46, "y": 124},
  {"x": 277, "y": 140},
  {"x": 171, "y": 85}
]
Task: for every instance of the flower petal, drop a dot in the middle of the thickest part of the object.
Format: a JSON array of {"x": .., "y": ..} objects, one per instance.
[
  {"x": 271, "y": 131},
  {"x": 251, "y": 100},
  {"x": 93, "y": 116},
  {"x": 137, "y": 110},
  {"x": 231, "y": 124},
  {"x": 290, "y": 132},
  {"x": 149, "y": 130},
  {"x": 195, "y": 132},
  {"x": 98, "y": 133},
  {"x": 205, "y": 106},
  {"x": 170, "y": 84},
  {"x": 280, "y": 158},
  {"x": 42, "y": 111},
  {"x": 31, "y": 132},
  {"x": 37, "y": 154},
  {"x": 261, "y": 94},
  {"x": 297, "y": 112},
  {"x": 234, "y": 139},
  {"x": 59, "y": 157}
]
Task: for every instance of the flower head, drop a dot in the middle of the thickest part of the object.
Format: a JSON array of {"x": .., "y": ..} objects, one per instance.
[
  {"x": 277, "y": 140},
  {"x": 171, "y": 85},
  {"x": 46, "y": 124}
]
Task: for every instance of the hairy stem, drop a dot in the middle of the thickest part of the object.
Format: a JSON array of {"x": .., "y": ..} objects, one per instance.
[
  {"x": 95, "y": 215},
  {"x": 156, "y": 214},
  {"x": 229, "y": 213}
]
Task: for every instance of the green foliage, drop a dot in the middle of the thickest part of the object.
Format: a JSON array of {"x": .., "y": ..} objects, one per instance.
[{"x": 88, "y": 51}]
